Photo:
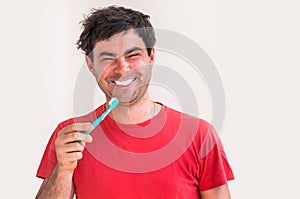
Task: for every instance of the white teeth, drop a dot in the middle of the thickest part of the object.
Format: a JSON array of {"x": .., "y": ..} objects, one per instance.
[{"x": 124, "y": 83}]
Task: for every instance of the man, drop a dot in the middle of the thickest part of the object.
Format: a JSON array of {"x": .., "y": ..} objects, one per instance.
[{"x": 119, "y": 51}]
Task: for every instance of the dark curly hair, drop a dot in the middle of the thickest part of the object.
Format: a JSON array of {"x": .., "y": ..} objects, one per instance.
[{"x": 103, "y": 23}]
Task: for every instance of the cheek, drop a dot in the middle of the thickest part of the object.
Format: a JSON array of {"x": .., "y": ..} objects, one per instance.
[
  {"x": 136, "y": 64},
  {"x": 101, "y": 73}
]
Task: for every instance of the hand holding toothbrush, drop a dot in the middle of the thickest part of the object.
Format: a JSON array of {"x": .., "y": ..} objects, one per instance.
[{"x": 71, "y": 140}]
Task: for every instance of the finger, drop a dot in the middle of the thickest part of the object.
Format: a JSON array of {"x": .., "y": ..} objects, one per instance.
[
  {"x": 77, "y": 127},
  {"x": 86, "y": 138},
  {"x": 65, "y": 138},
  {"x": 74, "y": 147},
  {"x": 73, "y": 156},
  {"x": 75, "y": 136}
]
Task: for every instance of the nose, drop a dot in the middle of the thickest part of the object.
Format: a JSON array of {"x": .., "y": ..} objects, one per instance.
[{"x": 122, "y": 66}]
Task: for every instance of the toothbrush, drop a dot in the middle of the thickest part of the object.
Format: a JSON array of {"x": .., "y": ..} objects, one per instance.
[{"x": 113, "y": 102}]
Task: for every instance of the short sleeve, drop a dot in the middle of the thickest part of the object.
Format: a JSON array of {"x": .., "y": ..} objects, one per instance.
[
  {"x": 214, "y": 167},
  {"x": 49, "y": 159}
]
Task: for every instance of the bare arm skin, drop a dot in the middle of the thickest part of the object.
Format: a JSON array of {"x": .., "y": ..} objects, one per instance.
[
  {"x": 68, "y": 152},
  {"x": 221, "y": 192},
  {"x": 59, "y": 185}
]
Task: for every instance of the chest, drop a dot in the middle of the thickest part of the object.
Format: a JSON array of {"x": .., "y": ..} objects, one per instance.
[{"x": 96, "y": 180}]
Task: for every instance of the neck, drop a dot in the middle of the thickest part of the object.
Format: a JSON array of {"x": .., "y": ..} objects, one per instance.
[{"x": 142, "y": 110}]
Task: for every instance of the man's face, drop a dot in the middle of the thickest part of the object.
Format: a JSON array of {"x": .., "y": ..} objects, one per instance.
[{"x": 122, "y": 67}]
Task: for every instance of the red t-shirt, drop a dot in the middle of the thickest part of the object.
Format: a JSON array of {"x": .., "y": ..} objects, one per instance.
[{"x": 173, "y": 155}]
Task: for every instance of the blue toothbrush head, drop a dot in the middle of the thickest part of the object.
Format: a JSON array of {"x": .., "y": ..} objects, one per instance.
[{"x": 113, "y": 102}]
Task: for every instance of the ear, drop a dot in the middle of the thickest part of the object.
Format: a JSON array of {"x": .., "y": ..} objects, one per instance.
[
  {"x": 90, "y": 65},
  {"x": 152, "y": 56}
]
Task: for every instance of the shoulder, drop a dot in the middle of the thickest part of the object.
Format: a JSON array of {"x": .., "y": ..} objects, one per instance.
[
  {"x": 202, "y": 124},
  {"x": 89, "y": 117}
]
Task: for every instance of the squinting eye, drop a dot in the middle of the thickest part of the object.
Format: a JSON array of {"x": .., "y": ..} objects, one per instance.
[
  {"x": 107, "y": 59},
  {"x": 134, "y": 55}
]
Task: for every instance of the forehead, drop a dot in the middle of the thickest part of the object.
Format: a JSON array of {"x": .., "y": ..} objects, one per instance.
[{"x": 120, "y": 42}]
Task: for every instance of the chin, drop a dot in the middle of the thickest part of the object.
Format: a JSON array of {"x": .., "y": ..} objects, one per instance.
[
  {"x": 131, "y": 99},
  {"x": 126, "y": 101}
]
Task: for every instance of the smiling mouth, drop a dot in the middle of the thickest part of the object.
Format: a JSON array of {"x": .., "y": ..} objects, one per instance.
[{"x": 123, "y": 83}]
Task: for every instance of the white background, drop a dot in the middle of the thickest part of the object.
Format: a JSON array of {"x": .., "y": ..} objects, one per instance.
[{"x": 254, "y": 44}]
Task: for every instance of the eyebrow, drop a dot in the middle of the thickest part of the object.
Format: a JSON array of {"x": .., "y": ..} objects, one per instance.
[
  {"x": 105, "y": 53},
  {"x": 132, "y": 49}
]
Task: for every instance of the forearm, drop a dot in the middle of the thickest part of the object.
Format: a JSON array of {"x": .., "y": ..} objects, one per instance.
[
  {"x": 59, "y": 185},
  {"x": 68, "y": 152}
]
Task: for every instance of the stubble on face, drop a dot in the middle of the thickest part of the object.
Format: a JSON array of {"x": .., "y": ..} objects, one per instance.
[
  {"x": 140, "y": 69},
  {"x": 128, "y": 96}
]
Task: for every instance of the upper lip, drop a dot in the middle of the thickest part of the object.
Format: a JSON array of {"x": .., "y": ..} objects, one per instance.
[
  {"x": 123, "y": 78},
  {"x": 123, "y": 83}
]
